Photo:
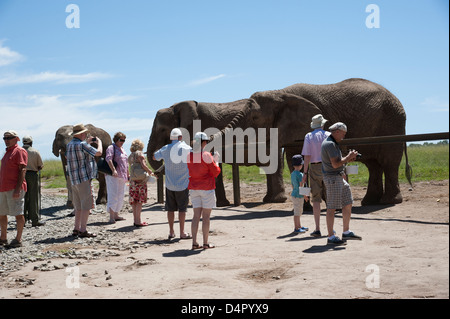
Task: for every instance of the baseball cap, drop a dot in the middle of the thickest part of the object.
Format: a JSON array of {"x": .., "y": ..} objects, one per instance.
[
  {"x": 175, "y": 133},
  {"x": 297, "y": 160},
  {"x": 200, "y": 136}
]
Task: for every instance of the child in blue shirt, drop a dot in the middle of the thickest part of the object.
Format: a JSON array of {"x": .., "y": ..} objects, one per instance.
[{"x": 297, "y": 199}]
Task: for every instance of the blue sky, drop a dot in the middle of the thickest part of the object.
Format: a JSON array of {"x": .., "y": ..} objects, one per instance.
[{"x": 130, "y": 58}]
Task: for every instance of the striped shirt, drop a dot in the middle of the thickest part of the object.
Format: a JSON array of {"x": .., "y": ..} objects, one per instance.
[{"x": 81, "y": 165}]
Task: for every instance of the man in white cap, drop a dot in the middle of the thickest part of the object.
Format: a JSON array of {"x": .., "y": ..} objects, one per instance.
[
  {"x": 177, "y": 180},
  {"x": 313, "y": 166},
  {"x": 339, "y": 195},
  {"x": 12, "y": 187}
]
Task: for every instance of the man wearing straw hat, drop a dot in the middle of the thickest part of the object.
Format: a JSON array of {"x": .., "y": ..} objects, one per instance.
[
  {"x": 82, "y": 168},
  {"x": 339, "y": 195},
  {"x": 313, "y": 166}
]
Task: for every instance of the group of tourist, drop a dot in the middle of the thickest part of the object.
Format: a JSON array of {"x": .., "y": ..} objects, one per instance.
[
  {"x": 323, "y": 162},
  {"x": 193, "y": 178}
]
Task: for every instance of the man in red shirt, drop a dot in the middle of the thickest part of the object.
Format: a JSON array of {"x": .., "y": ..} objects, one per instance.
[
  {"x": 12, "y": 187},
  {"x": 203, "y": 171}
]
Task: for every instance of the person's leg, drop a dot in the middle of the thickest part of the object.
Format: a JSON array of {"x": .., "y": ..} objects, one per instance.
[
  {"x": 137, "y": 214},
  {"x": 346, "y": 216},
  {"x": 3, "y": 227},
  {"x": 20, "y": 221},
  {"x": 182, "y": 221},
  {"x": 206, "y": 214},
  {"x": 83, "y": 216},
  {"x": 171, "y": 220},
  {"x": 330, "y": 222},
  {"x": 194, "y": 226},
  {"x": 316, "y": 213}
]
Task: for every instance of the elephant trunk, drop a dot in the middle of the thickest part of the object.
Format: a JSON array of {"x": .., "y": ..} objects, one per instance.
[
  {"x": 55, "y": 148},
  {"x": 152, "y": 147},
  {"x": 240, "y": 120}
]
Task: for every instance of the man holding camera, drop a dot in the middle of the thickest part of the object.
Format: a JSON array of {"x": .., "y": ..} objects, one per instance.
[
  {"x": 82, "y": 168},
  {"x": 339, "y": 195}
]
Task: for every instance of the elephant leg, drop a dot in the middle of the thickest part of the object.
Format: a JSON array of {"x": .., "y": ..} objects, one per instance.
[
  {"x": 69, "y": 202},
  {"x": 101, "y": 196},
  {"x": 375, "y": 187},
  {"x": 221, "y": 198},
  {"x": 392, "y": 194},
  {"x": 275, "y": 184}
]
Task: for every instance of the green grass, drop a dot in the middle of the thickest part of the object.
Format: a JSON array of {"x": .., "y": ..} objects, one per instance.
[
  {"x": 52, "y": 175},
  {"x": 428, "y": 162}
]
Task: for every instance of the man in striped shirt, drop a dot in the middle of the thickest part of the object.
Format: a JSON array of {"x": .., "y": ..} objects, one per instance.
[{"x": 82, "y": 168}]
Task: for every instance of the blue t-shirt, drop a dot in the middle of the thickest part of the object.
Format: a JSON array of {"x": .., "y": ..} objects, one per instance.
[
  {"x": 175, "y": 157},
  {"x": 296, "y": 178}
]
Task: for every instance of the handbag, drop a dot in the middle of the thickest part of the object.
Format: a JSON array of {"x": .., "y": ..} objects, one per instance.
[
  {"x": 103, "y": 166},
  {"x": 137, "y": 173}
]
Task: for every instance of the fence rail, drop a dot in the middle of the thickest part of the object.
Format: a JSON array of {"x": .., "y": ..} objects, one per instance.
[{"x": 350, "y": 141}]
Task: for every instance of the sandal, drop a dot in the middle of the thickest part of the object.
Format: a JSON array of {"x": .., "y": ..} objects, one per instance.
[
  {"x": 15, "y": 244},
  {"x": 75, "y": 233},
  {"x": 171, "y": 236},
  {"x": 186, "y": 236},
  {"x": 86, "y": 234},
  {"x": 3, "y": 242},
  {"x": 195, "y": 246},
  {"x": 208, "y": 246}
]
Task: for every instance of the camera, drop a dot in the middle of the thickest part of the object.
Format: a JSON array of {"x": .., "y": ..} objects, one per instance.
[
  {"x": 94, "y": 139},
  {"x": 358, "y": 157}
]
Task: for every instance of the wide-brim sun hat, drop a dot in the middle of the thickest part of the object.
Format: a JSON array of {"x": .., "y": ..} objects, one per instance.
[
  {"x": 79, "y": 129},
  {"x": 318, "y": 121}
]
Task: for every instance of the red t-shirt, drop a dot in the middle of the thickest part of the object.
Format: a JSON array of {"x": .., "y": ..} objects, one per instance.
[
  {"x": 9, "y": 171},
  {"x": 202, "y": 171}
]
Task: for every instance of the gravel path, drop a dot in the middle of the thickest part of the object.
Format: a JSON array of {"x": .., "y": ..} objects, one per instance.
[{"x": 54, "y": 240}]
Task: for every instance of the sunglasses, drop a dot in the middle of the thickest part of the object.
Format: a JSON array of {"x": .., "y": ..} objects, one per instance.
[
  {"x": 121, "y": 140},
  {"x": 7, "y": 138}
]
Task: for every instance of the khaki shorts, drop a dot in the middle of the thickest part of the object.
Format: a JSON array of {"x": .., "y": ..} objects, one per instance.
[
  {"x": 316, "y": 182},
  {"x": 10, "y": 206},
  {"x": 298, "y": 205},
  {"x": 82, "y": 196}
]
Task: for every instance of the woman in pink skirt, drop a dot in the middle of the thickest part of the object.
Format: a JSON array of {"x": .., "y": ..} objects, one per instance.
[{"x": 138, "y": 190}]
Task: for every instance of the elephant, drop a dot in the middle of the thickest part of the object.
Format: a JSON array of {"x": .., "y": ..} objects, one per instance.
[
  {"x": 368, "y": 109},
  {"x": 182, "y": 115},
  {"x": 62, "y": 138}
]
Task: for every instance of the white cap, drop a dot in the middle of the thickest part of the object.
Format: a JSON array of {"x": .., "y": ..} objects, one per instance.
[
  {"x": 338, "y": 126},
  {"x": 175, "y": 133},
  {"x": 200, "y": 136}
]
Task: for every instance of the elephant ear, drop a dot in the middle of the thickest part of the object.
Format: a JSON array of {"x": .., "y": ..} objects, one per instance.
[
  {"x": 185, "y": 113},
  {"x": 293, "y": 116}
]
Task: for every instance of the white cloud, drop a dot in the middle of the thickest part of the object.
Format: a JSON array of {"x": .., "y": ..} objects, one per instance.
[
  {"x": 435, "y": 104},
  {"x": 205, "y": 80},
  {"x": 42, "y": 115},
  {"x": 56, "y": 77},
  {"x": 7, "y": 56}
]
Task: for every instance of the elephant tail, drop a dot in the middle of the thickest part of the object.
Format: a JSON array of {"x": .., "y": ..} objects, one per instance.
[{"x": 408, "y": 168}]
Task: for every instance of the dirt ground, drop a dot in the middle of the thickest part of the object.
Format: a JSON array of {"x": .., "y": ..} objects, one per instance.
[{"x": 404, "y": 254}]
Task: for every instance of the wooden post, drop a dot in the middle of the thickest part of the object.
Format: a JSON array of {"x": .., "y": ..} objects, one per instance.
[
  {"x": 236, "y": 185},
  {"x": 160, "y": 188}
]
